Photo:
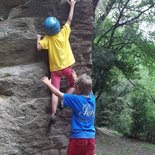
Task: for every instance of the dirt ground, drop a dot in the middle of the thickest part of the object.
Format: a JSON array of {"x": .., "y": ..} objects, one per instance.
[{"x": 109, "y": 143}]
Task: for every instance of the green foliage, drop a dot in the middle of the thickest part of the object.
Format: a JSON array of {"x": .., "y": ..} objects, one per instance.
[
  {"x": 103, "y": 61},
  {"x": 124, "y": 68},
  {"x": 123, "y": 124},
  {"x": 143, "y": 116},
  {"x": 113, "y": 107}
]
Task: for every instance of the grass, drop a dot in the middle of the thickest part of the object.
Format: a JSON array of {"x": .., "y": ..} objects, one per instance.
[
  {"x": 149, "y": 146},
  {"x": 1, "y": 18},
  {"x": 110, "y": 132},
  {"x": 112, "y": 143}
]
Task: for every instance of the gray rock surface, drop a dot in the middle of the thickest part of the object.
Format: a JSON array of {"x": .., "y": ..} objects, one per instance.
[{"x": 24, "y": 100}]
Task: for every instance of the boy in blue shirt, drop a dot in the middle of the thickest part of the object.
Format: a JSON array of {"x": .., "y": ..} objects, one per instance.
[{"x": 83, "y": 105}]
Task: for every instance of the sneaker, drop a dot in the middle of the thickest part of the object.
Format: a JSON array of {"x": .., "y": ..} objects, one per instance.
[{"x": 52, "y": 120}]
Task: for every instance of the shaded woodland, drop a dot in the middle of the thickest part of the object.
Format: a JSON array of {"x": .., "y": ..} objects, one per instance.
[{"x": 124, "y": 67}]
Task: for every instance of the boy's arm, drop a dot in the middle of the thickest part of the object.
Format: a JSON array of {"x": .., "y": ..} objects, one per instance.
[
  {"x": 39, "y": 48},
  {"x": 71, "y": 12},
  {"x": 52, "y": 88},
  {"x": 74, "y": 75}
]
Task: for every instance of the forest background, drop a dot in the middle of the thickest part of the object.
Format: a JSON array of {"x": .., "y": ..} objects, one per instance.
[{"x": 124, "y": 67}]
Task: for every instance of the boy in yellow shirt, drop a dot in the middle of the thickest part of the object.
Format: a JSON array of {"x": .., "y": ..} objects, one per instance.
[{"x": 60, "y": 54}]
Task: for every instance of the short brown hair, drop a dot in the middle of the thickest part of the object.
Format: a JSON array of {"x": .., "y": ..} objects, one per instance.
[{"x": 84, "y": 83}]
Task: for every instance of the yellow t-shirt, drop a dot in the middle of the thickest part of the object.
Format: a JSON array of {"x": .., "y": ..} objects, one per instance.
[{"x": 59, "y": 50}]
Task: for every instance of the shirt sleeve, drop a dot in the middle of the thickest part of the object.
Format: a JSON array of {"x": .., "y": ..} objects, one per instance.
[
  {"x": 44, "y": 43},
  {"x": 70, "y": 101},
  {"x": 66, "y": 30}
]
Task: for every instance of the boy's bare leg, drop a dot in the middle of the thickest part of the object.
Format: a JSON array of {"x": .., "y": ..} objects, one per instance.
[{"x": 54, "y": 103}]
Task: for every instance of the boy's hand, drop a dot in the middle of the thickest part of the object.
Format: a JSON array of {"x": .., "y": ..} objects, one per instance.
[
  {"x": 70, "y": 16},
  {"x": 39, "y": 36},
  {"x": 74, "y": 75},
  {"x": 52, "y": 88},
  {"x": 71, "y": 2},
  {"x": 39, "y": 48},
  {"x": 46, "y": 80}
]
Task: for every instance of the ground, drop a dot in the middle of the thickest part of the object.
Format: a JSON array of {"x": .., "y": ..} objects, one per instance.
[{"x": 110, "y": 143}]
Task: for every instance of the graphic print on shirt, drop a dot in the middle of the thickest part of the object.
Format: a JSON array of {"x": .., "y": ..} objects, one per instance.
[{"x": 87, "y": 113}]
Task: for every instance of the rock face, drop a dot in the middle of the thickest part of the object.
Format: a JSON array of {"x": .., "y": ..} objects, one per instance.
[{"x": 24, "y": 100}]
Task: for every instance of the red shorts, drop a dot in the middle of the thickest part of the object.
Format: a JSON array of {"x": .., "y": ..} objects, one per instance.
[
  {"x": 57, "y": 75},
  {"x": 81, "y": 147}
]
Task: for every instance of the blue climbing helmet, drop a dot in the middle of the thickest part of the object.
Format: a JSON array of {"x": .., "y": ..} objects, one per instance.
[{"x": 52, "y": 25}]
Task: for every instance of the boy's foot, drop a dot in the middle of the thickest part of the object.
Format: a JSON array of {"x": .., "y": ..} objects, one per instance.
[{"x": 52, "y": 120}]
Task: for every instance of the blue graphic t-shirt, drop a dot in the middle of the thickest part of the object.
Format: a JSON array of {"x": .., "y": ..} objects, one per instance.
[{"x": 83, "y": 115}]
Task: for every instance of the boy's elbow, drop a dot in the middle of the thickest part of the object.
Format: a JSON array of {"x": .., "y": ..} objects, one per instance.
[{"x": 60, "y": 95}]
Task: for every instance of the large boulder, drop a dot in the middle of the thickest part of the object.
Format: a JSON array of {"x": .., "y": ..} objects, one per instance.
[{"x": 24, "y": 100}]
